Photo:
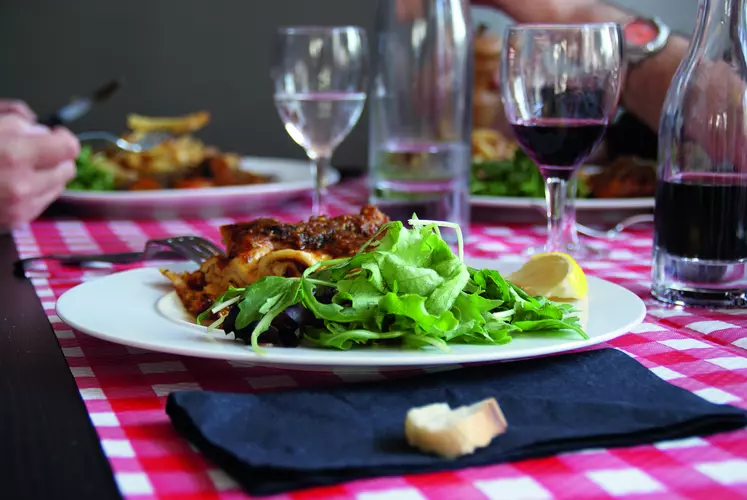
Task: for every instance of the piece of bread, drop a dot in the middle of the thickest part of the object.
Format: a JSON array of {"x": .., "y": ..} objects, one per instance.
[{"x": 438, "y": 429}]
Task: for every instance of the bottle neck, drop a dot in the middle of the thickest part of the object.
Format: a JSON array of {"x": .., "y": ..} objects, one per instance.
[
  {"x": 720, "y": 15},
  {"x": 721, "y": 31}
]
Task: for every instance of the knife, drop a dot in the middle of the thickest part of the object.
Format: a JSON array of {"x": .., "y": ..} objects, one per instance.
[{"x": 78, "y": 107}]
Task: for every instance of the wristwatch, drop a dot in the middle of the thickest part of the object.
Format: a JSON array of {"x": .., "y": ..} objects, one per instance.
[{"x": 644, "y": 38}]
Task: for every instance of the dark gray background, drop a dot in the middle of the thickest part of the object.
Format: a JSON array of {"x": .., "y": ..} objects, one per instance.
[{"x": 178, "y": 56}]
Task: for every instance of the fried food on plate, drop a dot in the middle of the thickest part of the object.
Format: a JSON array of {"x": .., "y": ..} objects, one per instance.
[
  {"x": 176, "y": 125},
  {"x": 180, "y": 162},
  {"x": 491, "y": 145},
  {"x": 266, "y": 247},
  {"x": 171, "y": 156}
]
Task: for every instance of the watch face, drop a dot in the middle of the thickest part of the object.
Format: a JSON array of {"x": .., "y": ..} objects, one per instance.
[{"x": 640, "y": 32}]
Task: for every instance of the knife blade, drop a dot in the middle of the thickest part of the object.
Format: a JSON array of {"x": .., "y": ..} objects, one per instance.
[{"x": 80, "y": 106}]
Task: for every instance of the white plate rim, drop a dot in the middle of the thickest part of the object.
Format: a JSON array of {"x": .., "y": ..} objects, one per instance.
[
  {"x": 299, "y": 358},
  {"x": 581, "y": 204},
  {"x": 261, "y": 164}
]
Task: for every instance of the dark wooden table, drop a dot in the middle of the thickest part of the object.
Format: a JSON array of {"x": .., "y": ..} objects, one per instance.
[{"x": 48, "y": 447}]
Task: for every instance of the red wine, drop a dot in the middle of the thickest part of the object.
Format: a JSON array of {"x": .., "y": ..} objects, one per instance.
[
  {"x": 703, "y": 216},
  {"x": 559, "y": 145}
]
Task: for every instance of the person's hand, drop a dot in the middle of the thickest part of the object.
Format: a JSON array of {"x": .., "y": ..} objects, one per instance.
[
  {"x": 541, "y": 11},
  {"x": 35, "y": 165},
  {"x": 17, "y": 107}
]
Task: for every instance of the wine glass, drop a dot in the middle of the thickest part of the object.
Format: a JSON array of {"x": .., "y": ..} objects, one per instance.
[
  {"x": 560, "y": 86},
  {"x": 320, "y": 79}
]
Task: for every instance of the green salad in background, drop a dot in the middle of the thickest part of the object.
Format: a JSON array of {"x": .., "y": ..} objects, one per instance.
[
  {"x": 93, "y": 173},
  {"x": 517, "y": 177}
]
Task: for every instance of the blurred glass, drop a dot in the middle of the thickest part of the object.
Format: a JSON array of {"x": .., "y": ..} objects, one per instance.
[{"x": 421, "y": 110}]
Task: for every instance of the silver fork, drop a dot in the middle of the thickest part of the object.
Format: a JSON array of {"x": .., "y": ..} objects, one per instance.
[
  {"x": 146, "y": 142},
  {"x": 192, "y": 248},
  {"x": 618, "y": 229}
]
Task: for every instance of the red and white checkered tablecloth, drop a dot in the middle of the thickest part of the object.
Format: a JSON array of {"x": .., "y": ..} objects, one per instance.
[{"x": 125, "y": 389}]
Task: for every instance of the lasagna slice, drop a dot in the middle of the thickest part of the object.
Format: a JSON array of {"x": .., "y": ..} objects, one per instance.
[{"x": 266, "y": 247}]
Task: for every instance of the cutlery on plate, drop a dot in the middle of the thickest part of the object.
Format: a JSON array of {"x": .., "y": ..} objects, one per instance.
[
  {"x": 78, "y": 107},
  {"x": 619, "y": 228},
  {"x": 190, "y": 248},
  {"x": 146, "y": 142}
]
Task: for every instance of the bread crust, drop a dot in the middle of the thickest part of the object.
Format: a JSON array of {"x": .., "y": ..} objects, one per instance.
[{"x": 438, "y": 429}]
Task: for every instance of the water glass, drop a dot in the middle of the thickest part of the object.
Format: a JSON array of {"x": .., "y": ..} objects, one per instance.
[
  {"x": 421, "y": 110},
  {"x": 320, "y": 81}
]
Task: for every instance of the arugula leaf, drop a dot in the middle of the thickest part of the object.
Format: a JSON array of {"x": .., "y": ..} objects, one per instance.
[
  {"x": 261, "y": 297},
  {"x": 361, "y": 291},
  {"x": 286, "y": 296},
  {"x": 331, "y": 312},
  {"x": 405, "y": 276},
  {"x": 228, "y": 298},
  {"x": 413, "y": 306},
  {"x": 338, "y": 336}
]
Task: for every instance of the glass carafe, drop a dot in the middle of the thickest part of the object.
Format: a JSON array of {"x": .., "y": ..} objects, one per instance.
[
  {"x": 700, "y": 244},
  {"x": 420, "y": 107}
]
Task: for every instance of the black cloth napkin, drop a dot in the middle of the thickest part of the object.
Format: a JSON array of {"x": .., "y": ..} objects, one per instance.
[{"x": 281, "y": 441}]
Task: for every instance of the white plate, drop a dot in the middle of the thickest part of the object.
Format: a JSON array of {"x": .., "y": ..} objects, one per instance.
[
  {"x": 582, "y": 204},
  {"x": 293, "y": 178},
  {"x": 137, "y": 308}
]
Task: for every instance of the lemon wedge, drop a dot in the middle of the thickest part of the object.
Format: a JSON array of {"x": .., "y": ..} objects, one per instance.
[{"x": 554, "y": 275}]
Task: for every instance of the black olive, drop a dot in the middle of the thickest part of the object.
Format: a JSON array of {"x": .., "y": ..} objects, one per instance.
[
  {"x": 288, "y": 325},
  {"x": 324, "y": 294},
  {"x": 270, "y": 336},
  {"x": 286, "y": 330},
  {"x": 245, "y": 333},
  {"x": 295, "y": 313},
  {"x": 290, "y": 338},
  {"x": 284, "y": 321},
  {"x": 229, "y": 324}
]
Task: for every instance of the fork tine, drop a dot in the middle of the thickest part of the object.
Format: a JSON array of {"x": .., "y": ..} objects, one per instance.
[
  {"x": 192, "y": 248},
  {"x": 186, "y": 249},
  {"x": 203, "y": 246},
  {"x": 208, "y": 246},
  {"x": 197, "y": 249}
]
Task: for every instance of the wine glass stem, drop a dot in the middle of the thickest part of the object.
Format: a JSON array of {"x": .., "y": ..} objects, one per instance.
[
  {"x": 319, "y": 166},
  {"x": 559, "y": 227}
]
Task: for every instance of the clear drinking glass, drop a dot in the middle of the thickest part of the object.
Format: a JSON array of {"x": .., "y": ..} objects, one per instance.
[
  {"x": 700, "y": 238},
  {"x": 421, "y": 110},
  {"x": 560, "y": 86},
  {"x": 320, "y": 82}
]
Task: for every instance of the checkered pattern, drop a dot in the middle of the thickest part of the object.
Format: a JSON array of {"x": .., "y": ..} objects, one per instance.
[{"x": 125, "y": 388}]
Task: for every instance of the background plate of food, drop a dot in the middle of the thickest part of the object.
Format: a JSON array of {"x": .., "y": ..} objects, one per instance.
[
  {"x": 181, "y": 177},
  {"x": 504, "y": 176}
]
